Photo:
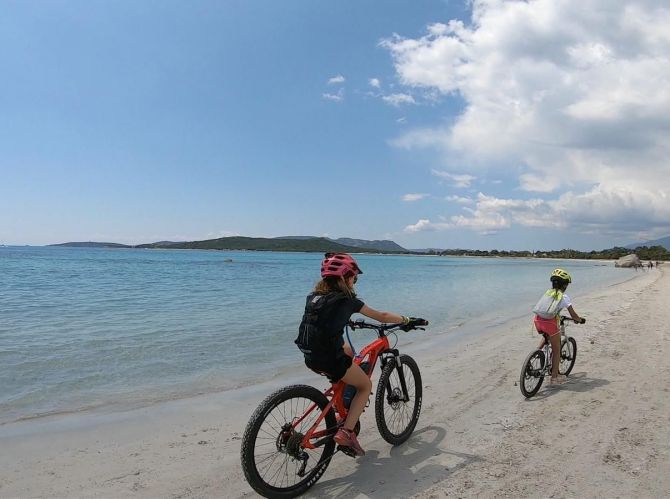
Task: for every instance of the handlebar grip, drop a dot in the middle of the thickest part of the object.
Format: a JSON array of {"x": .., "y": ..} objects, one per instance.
[{"x": 414, "y": 323}]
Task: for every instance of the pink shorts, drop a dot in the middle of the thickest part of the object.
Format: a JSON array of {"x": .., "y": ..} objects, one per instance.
[{"x": 548, "y": 326}]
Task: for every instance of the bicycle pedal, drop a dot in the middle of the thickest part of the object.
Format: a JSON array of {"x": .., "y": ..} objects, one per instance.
[{"x": 347, "y": 450}]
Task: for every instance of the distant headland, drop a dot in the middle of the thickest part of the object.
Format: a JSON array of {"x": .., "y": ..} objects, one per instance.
[
  {"x": 653, "y": 250},
  {"x": 286, "y": 243}
]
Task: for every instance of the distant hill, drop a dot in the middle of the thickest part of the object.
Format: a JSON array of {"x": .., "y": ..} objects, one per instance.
[
  {"x": 91, "y": 244},
  {"x": 296, "y": 237},
  {"x": 383, "y": 245},
  {"x": 315, "y": 244},
  {"x": 167, "y": 243},
  {"x": 664, "y": 241}
]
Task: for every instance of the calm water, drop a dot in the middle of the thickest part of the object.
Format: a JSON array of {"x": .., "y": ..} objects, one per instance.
[{"x": 83, "y": 328}]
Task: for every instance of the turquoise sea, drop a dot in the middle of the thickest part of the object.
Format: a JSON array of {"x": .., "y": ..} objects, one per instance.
[{"x": 85, "y": 328}]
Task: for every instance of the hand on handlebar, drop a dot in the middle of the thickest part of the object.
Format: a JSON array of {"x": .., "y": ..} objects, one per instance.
[
  {"x": 565, "y": 318},
  {"x": 413, "y": 323}
]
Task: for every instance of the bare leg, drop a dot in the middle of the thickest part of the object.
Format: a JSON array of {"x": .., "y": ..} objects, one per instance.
[
  {"x": 357, "y": 377},
  {"x": 555, "y": 354}
]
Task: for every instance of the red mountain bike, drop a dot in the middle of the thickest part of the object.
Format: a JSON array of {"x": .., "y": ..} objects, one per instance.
[{"x": 288, "y": 442}]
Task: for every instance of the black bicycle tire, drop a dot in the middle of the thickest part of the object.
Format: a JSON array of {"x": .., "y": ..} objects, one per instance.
[
  {"x": 380, "y": 398},
  {"x": 571, "y": 340},
  {"x": 247, "y": 451},
  {"x": 526, "y": 366}
]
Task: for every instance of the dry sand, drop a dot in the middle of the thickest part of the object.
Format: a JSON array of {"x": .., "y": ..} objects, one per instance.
[{"x": 603, "y": 434}]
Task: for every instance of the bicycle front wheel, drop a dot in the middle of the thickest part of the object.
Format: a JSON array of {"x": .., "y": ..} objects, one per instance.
[
  {"x": 532, "y": 373},
  {"x": 568, "y": 356},
  {"x": 274, "y": 461},
  {"x": 397, "y": 408}
]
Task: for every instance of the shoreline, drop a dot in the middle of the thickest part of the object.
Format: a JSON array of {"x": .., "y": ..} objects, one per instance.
[{"x": 477, "y": 435}]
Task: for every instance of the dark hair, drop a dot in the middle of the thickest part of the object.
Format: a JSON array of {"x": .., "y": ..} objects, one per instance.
[{"x": 558, "y": 283}]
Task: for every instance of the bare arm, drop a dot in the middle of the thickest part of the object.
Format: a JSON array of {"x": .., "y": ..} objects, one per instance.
[
  {"x": 574, "y": 315},
  {"x": 386, "y": 317}
]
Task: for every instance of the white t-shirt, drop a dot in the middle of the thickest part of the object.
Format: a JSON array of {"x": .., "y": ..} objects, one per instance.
[{"x": 565, "y": 302}]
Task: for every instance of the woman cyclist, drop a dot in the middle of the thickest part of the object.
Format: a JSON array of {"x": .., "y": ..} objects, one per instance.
[
  {"x": 547, "y": 313},
  {"x": 328, "y": 309}
]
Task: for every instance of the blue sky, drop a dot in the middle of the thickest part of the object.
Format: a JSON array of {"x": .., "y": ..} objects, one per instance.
[{"x": 485, "y": 124}]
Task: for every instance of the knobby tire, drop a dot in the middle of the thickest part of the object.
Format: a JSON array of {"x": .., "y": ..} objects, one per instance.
[
  {"x": 397, "y": 419},
  {"x": 532, "y": 373},
  {"x": 568, "y": 356},
  {"x": 270, "y": 469}
]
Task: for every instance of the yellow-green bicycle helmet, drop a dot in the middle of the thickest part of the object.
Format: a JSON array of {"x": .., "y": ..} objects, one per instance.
[{"x": 560, "y": 275}]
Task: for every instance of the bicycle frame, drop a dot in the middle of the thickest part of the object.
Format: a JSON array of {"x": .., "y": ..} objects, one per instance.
[
  {"x": 370, "y": 354},
  {"x": 548, "y": 352}
]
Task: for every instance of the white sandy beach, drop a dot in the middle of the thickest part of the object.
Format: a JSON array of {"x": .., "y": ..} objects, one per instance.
[{"x": 606, "y": 433}]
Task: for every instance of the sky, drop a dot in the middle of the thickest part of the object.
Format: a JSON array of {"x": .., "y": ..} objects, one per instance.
[{"x": 482, "y": 124}]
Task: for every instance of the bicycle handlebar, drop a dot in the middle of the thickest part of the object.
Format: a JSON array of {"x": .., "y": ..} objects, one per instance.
[
  {"x": 565, "y": 318},
  {"x": 361, "y": 324}
]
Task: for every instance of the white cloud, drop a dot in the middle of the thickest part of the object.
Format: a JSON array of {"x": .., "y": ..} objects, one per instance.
[
  {"x": 536, "y": 183},
  {"x": 574, "y": 94},
  {"x": 457, "y": 180},
  {"x": 460, "y": 200},
  {"x": 585, "y": 212},
  {"x": 398, "y": 99},
  {"x": 425, "y": 225},
  {"x": 374, "y": 82},
  {"x": 336, "y": 80},
  {"x": 401, "y": 120},
  {"x": 414, "y": 197},
  {"x": 339, "y": 96}
]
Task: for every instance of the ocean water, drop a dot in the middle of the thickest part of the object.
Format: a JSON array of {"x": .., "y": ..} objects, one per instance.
[{"x": 86, "y": 328}]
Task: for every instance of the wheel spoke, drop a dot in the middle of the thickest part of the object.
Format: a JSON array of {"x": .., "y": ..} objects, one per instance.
[{"x": 273, "y": 454}]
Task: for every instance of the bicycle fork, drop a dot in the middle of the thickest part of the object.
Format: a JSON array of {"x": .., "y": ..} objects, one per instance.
[{"x": 392, "y": 394}]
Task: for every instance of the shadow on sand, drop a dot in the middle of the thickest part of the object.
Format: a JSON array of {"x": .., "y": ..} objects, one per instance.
[
  {"x": 409, "y": 469},
  {"x": 577, "y": 382}
]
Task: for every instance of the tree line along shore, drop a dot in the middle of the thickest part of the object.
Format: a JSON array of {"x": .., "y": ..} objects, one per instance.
[
  {"x": 322, "y": 244},
  {"x": 643, "y": 252}
]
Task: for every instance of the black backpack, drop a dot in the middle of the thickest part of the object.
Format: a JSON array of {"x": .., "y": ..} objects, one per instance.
[{"x": 310, "y": 338}]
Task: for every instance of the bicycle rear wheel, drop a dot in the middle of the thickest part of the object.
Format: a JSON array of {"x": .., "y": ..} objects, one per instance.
[
  {"x": 532, "y": 373},
  {"x": 396, "y": 414},
  {"x": 275, "y": 463},
  {"x": 568, "y": 356}
]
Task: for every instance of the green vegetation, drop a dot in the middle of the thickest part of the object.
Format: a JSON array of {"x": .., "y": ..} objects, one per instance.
[
  {"x": 644, "y": 252},
  {"x": 324, "y": 244},
  {"x": 316, "y": 244}
]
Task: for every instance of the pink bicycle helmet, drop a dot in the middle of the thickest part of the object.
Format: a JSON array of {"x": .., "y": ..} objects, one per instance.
[{"x": 339, "y": 265}]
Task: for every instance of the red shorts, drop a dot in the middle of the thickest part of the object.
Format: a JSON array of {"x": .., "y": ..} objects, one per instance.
[{"x": 548, "y": 326}]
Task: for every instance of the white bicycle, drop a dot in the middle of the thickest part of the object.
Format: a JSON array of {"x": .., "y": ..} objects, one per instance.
[{"x": 538, "y": 362}]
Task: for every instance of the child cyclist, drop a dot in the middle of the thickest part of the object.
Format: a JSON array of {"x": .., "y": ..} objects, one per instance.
[
  {"x": 547, "y": 313},
  {"x": 327, "y": 311}
]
